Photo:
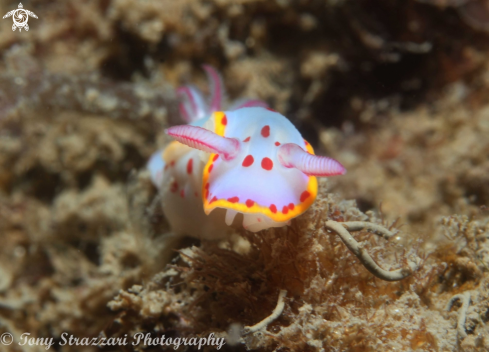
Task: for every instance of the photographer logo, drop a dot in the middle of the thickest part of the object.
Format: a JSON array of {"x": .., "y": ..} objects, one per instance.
[{"x": 20, "y": 17}]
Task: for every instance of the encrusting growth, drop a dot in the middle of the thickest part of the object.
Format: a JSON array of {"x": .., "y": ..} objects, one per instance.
[{"x": 342, "y": 229}]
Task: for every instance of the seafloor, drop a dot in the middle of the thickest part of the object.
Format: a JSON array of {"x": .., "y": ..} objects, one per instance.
[{"x": 397, "y": 90}]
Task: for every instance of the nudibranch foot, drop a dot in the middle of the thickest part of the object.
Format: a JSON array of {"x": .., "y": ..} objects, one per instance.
[
  {"x": 230, "y": 215},
  {"x": 257, "y": 222}
]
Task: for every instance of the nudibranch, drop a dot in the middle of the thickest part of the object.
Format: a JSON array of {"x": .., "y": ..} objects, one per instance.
[{"x": 247, "y": 160}]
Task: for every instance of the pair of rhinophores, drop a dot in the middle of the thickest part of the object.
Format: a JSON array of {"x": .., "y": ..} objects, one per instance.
[{"x": 248, "y": 159}]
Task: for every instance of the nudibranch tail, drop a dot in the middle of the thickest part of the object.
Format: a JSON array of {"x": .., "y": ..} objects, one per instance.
[
  {"x": 205, "y": 140},
  {"x": 217, "y": 90},
  {"x": 156, "y": 166},
  {"x": 291, "y": 155}
]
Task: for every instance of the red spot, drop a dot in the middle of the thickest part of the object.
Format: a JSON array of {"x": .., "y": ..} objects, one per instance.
[
  {"x": 307, "y": 143},
  {"x": 248, "y": 161},
  {"x": 233, "y": 200},
  {"x": 249, "y": 203},
  {"x": 265, "y": 131},
  {"x": 277, "y": 143},
  {"x": 273, "y": 208},
  {"x": 182, "y": 193},
  {"x": 270, "y": 109},
  {"x": 210, "y": 168},
  {"x": 259, "y": 220},
  {"x": 207, "y": 185},
  {"x": 215, "y": 157},
  {"x": 174, "y": 187},
  {"x": 285, "y": 210},
  {"x": 291, "y": 206},
  {"x": 189, "y": 166},
  {"x": 213, "y": 200},
  {"x": 305, "y": 195},
  {"x": 206, "y": 194},
  {"x": 172, "y": 163},
  {"x": 196, "y": 194},
  {"x": 224, "y": 120},
  {"x": 247, "y": 139},
  {"x": 267, "y": 164}
]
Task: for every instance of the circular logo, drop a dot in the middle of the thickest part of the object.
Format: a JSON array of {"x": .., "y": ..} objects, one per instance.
[
  {"x": 6, "y": 338},
  {"x": 20, "y": 17}
]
